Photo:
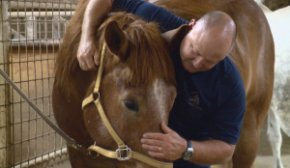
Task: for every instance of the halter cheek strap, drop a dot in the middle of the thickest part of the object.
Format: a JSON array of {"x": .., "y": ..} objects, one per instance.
[{"x": 123, "y": 152}]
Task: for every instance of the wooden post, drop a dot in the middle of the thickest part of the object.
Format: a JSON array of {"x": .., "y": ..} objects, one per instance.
[{"x": 4, "y": 37}]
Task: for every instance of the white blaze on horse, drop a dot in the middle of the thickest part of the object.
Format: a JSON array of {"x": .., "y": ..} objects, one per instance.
[{"x": 279, "y": 116}]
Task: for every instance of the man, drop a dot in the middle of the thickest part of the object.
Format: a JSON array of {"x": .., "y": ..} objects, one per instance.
[{"x": 207, "y": 114}]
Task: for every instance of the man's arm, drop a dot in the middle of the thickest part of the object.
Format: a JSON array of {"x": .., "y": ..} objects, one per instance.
[
  {"x": 151, "y": 13},
  {"x": 95, "y": 10},
  {"x": 170, "y": 146},
  {"x": 212, "y": 152}
]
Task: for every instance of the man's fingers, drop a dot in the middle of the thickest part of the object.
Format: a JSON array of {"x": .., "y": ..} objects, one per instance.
[
  {"x": 157, "y": 136},
  {"x": 90, "y": 63},
  {"x": 87, "y": 56},
  {"x": 86, "y": 62},
  {"x": 83, "y": 65},
  {"x": 152, "y": 148},
  {"x": 157, "y": 155},
  {"x": 152, "y": 142}
]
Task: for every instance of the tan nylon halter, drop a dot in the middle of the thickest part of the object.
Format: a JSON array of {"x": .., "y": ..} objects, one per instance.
[{"x": 123, "y": 152}]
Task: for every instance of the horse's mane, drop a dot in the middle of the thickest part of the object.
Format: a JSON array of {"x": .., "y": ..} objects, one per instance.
[{"x": 152, "y": 63}]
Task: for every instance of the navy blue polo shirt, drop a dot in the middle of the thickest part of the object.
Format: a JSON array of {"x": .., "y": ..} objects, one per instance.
[{"x": 209, "y": 105}]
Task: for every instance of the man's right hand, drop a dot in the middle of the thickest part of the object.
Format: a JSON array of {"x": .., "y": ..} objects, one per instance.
[{"x": 87, "y": 55}]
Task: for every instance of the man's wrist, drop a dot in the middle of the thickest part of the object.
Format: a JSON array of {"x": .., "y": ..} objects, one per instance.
[{"x": 188, "y": 153}]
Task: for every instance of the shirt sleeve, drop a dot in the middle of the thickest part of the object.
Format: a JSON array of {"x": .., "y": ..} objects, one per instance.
[
  {"x": 228, "y": 118},
  {"x": 227, "y": 126},
  {"x": 150, "y": 12}
]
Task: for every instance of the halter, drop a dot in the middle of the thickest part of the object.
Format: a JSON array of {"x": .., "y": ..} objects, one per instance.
[{"x": 123, "y": 152}]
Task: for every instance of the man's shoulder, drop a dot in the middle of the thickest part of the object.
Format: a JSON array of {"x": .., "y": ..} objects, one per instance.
[
  {"x": 230, "y": 79},
  {"x": 228, "y": 71},
  {"x": 224, "y": 77}
]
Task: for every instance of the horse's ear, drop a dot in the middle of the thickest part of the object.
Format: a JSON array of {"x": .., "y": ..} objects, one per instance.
[
  {"x": 174, "y": 37},
  {"x": 116, "y": 40}
]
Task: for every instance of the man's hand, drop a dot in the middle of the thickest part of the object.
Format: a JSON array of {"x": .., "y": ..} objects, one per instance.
[
  {"x": 87, "y": 54},
  {"x": 165, "y": 146}
]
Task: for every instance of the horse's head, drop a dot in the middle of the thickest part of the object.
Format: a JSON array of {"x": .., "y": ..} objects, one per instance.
[{"x": 137, "y": 87}]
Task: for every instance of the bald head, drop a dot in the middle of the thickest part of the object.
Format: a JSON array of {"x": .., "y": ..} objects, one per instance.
[
  {"x": 220, "y": 26},
  {"x": 208, "y": 42}
]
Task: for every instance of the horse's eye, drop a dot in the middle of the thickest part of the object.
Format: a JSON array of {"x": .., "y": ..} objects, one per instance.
[{"x": 131, "y": 105}]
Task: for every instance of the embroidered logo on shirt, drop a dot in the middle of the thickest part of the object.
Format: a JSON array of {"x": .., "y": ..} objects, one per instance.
[{"x": 194, "y": 100}]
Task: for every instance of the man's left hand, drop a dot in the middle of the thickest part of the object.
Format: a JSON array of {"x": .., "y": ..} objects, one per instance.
[{"x": 167, "y": 146}]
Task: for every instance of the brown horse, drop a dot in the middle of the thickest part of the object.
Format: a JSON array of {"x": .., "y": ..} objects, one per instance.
[
  {"x": 254, "y": 56},
  {"x": 137, "y": 89}
]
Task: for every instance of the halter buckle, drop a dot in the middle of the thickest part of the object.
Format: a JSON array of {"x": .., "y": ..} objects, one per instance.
[{"x": 123, "y": 153}]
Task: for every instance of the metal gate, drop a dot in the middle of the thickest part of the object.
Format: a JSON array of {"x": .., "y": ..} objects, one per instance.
[{"x": 30, "y": 32}]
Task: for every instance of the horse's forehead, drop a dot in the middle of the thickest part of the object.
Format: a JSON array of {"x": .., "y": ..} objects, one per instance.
[
  {"x": 121, "y": 73},
  {"x": 158, "y": 89}
]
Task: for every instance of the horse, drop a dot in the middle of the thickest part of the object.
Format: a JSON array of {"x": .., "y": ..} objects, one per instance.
[
  {"x": 253, "y": 54},
  {"x": 137, "y": 87},
  {"x": 278, "y": 119}
]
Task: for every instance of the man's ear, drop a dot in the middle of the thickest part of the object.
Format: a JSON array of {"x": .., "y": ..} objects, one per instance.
[
  {"x": 192, "y": 22},
  {"x": 174, "y": 37}
]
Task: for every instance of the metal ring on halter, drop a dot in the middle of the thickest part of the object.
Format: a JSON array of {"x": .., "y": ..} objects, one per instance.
[
  {"x": 96, "y": 95},
  {"x": 123, "y": 153}
]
